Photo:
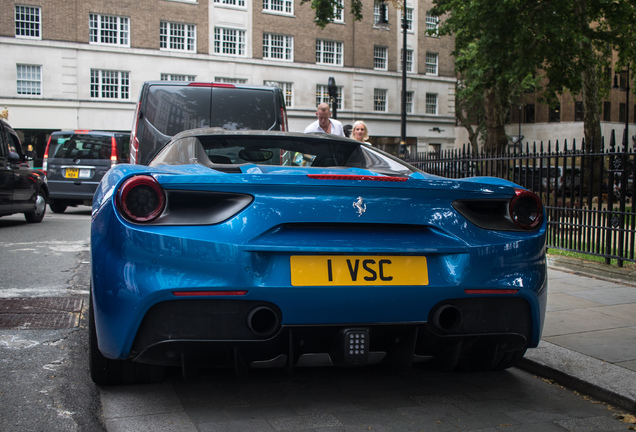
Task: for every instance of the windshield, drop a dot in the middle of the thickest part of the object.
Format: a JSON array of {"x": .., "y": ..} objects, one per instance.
[
  {"x": 279, "y": 150},
  {"x": 75, "y": 146}
]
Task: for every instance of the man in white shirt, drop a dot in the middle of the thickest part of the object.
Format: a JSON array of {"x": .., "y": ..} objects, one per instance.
[{"x": 325, "y": 123}]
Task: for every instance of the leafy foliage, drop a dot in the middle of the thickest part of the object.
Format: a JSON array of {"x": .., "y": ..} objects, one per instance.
[{"x": 325, "y": 10}]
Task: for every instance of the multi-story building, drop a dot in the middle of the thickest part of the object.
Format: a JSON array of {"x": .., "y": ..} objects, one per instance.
[{"x": 79, "y": 64}]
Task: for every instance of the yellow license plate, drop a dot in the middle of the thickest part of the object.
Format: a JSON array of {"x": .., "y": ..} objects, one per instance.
[
  {"x": 325, "y": 270},
  {"x": 71, "y": 173}
]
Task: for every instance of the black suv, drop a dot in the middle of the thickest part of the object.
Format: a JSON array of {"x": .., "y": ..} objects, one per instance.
[
  {"x": 75, "y": 162},
  {"x": 166, "y": 108},
  {"x": 22, "y": 189}
]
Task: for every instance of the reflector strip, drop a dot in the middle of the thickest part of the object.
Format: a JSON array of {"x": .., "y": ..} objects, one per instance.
[
  {"x": 356, "y": 177},
  {"x": 208, "y": 293},
  {"x": 491, "y": 291},
  {"x": 202, "y": 84}
]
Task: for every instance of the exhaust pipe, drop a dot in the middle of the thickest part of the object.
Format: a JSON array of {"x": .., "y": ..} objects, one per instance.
[
  {"x": 263, "y": 321},
  {"x": 447, "y": 318}
]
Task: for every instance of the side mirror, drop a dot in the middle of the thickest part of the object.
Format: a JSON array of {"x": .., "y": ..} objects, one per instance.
[{"x": 14, "y": 158}]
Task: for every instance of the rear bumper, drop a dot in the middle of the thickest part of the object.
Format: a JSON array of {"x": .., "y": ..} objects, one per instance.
[
  {"x": 72, "y": 190},
  {"x": 218, "y": 332}
]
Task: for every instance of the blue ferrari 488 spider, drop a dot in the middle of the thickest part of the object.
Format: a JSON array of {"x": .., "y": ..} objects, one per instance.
[{"x": 271, "y": 249}]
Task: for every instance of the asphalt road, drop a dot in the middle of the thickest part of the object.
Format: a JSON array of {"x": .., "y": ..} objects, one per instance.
[{"x": 45, "y": 385}]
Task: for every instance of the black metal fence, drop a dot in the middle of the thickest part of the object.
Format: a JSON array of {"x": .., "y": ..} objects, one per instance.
[{"x": 588, "y": 195}]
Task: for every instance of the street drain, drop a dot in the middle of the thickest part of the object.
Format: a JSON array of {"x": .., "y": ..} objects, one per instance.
[{"x": 41, "y": 313}]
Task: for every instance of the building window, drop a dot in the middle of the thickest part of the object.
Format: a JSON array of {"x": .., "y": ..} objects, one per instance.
[
  {"x": 431, "y": 103},
  {"x": 322, "y": 96},
  {"x": 286, "y": 88},
  {"x": 338, "y": 11},
  {"x": 431, "y": 64},
  {"x": 29, "y": 79},
  {"x": 621, "y": 112},
  {"x": 279, "y": 6},
  {"x": 409, "y": 102},
  {"x": 578, "y": 111},
  {"x": 431, "y": 24},
  {"x": 108, "y": 30},
  {"x": 555, "y": 114},
  {"x": 27, "y": 22},
  {"x": 379, "y": 100},
  {"x": 607, "y": 111},
  {"x": 328, "y": 52},
  {"x": 229, "y": 41},
  {"x": 176, "y": 77},
  {"x": 110, "y": 84},
  {"x": 239, "y": 3},
  {"x": 380, "y": 60},
  {"x": 529, "y": 113},
  {"x": 227, "y": 80},
  {"x": 177, "y": 36},
  {"x": 409, "y": 60},
  {"x": 278, "y": 47},
  {"x": 409, "y": 19},
  {"x": 376, "y": 12}
]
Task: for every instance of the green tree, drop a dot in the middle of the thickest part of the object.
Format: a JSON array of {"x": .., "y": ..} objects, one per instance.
[
  {"x": 325, "y": 10},
  {"x": 507, "y": 46}
]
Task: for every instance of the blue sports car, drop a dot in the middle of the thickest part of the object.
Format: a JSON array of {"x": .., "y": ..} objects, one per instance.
[{"x": 271, "y": 249}]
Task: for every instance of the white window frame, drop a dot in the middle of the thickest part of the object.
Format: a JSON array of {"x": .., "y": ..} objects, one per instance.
[
  {"x": 322, "y": 96},
  {"x": 229, "y": 42},
  {"x": 101, "y": 86},
  {"x": 376, "y": 13},
  {"x": 380, "y": 100},
  {"x": 287, "y": 88},
  {"x": 177, "y": 77},
  {"x": 29, "y": 79},
  {"x": 98, "y": 29},
  {"x": 174, "y": 36},
  {"x": 409, "y": 20},
  {"x": 232, "y": 3},
  {"x": 28, "y": 22},
  {"x": 409, "y": 60},
  {"x": 432, "y": 67},
  {"x": 278, "y": 44},
  {"x": 338, "y": 12},
  {"x": 228, "y": 80},
  {"x": 285, "y": 7},
  {"x": 432, "y": 23},
  {"x": 409, "y": 102},
  {"x": 431, "y": 103},
  {"x": 380, "y": 58},
  {"x": 326, "y": 49}
]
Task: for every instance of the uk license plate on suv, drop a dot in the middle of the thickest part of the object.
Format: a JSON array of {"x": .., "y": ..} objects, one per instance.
[
  {"x": 325, "y": 270},
  {"x": 74, "y": 173}
]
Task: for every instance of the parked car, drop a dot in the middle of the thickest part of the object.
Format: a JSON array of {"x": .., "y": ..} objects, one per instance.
[
  {"x": 273, "y": 249},
  {"x": 75, "y": 162},
  {"x": 166, "y": 108},
  {"x": 22, "y": 189}
]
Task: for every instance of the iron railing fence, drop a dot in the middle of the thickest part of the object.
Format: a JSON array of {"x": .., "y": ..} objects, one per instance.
[{"x": 588, "y": 195}]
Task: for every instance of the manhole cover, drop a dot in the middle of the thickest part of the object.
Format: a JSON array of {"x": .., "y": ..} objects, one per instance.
[{"x": 39, "y": 313}]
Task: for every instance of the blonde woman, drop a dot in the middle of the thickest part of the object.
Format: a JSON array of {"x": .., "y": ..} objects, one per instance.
[{"x": 360, "y": 131}]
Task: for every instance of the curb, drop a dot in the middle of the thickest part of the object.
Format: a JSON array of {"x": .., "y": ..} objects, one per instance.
[{"x": 599, "y": 379}]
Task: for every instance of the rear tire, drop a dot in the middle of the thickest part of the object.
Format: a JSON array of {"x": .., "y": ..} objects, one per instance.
[
  {"x": 57, "y": 206},
  {"x": 38, "y": 213},
  {"x": 105, "y": 371}
]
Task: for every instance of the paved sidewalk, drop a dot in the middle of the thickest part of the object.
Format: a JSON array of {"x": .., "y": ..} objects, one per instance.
[{"x": 589, "y": 338}]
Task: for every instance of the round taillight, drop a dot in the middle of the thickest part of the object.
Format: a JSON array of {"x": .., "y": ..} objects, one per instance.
[
  {"x": 526, "y": 209},
  {"x": 141, "y": 199}
]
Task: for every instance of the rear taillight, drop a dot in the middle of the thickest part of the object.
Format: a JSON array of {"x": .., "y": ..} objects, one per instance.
[
  {"x": 113, "y": 152},
  {"x": 283, "y": 114},
  {"x": 141, "y": 199},
  {"x": 526, "y": 209},
  {"x": 45, "y": 160},
  {"x": 134, "y": 143}
]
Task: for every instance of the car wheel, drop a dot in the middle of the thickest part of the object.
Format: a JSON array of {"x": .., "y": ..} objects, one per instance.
[
  {"x": 57, "y": 206},
  {"x": 105, "y": 371},
  {"x": 40, "y": 209}
]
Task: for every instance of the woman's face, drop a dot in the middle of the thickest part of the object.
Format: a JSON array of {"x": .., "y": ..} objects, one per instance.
[{"x": 359, "y": 132}]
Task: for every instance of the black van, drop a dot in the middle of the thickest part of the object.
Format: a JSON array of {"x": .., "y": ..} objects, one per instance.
[
  {"x": 75, "y": 162},
  {"x": 166, "y": 108}
]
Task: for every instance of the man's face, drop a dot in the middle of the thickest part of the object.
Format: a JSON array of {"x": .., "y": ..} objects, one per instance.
[{"x": 323, "y": 118}]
